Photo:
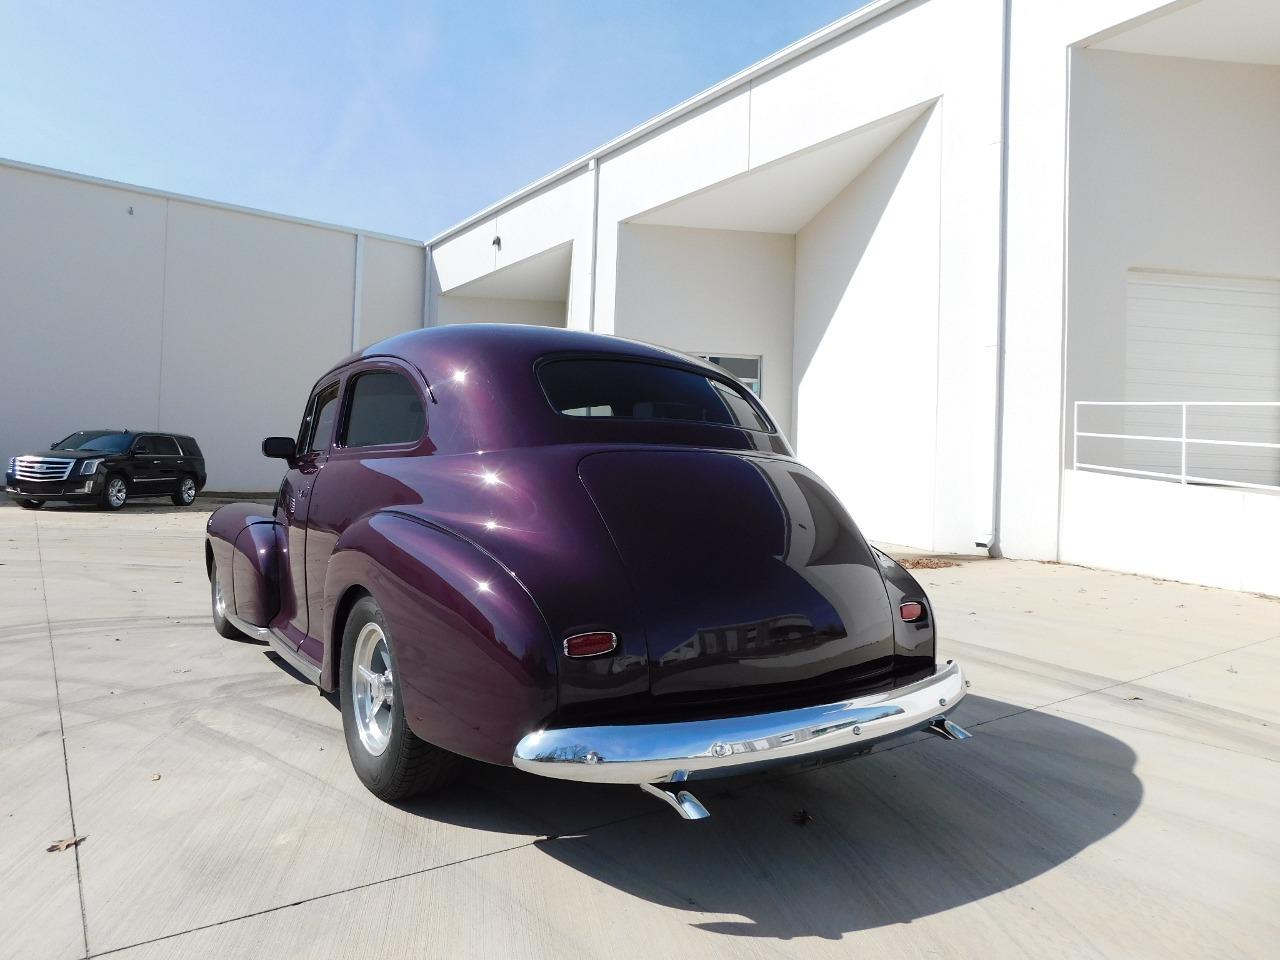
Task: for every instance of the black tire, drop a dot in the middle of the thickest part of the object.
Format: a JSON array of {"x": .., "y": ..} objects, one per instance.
[
  {"x": 406, "y": 766},
  {"x": 185, "y": 495},
  {"x": 220, "y": 621},
  {"x": 31, "y": 504},
  {"x": 115, "y": 493}
]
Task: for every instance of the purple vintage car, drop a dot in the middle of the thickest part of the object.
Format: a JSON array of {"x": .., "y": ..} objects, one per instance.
[{"x": 589, "y": 558}]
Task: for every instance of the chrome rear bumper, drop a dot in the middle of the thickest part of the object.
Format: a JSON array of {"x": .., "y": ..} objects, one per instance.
[{"x": 701, "y": 749}]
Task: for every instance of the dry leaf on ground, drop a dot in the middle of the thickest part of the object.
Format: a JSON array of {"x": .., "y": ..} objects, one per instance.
[{"x": 59, "y": 845}]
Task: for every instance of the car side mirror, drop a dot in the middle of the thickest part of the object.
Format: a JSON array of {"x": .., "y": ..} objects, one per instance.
[{"x": 280, "y": 448}]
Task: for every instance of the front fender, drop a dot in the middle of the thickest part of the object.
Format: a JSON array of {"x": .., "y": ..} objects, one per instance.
[
  {"x": 475, "y": 658},
  {"x": 244, "y": 543}
]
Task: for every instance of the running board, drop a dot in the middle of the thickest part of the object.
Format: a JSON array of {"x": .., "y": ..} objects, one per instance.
[
  {"x": 682, "y": 801},
  {"x": 279, "y": 644}
]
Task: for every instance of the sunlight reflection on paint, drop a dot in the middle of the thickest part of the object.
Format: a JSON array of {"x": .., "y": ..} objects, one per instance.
[
  {"x": 460, "y": 376},
  {"x": 482, "y": 586}
]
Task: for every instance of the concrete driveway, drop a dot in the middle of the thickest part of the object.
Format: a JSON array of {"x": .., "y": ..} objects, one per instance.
[{"x": 1120, "y": 797}]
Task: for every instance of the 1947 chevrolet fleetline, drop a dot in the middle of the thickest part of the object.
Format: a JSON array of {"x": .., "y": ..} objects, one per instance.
[{"x": 586, "y": 557}]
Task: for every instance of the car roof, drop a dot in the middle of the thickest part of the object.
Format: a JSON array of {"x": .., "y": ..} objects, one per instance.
[
  {"x": 485, "y": 396},
  {"x": 427, "y": 348}
]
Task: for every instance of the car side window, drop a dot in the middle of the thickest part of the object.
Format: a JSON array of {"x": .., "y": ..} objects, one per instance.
[
  {"x": 324, "y": 411},
  {"x": 142, "y": 445},
  {"x": 384, "y": 409},
  {"x": 165, "y": 447}
]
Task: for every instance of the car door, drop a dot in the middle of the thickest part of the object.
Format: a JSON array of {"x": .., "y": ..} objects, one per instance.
[
  {"x": 167, "y": 459},
  {"x": 384, "y": 416},
  {"x": 142, "y": 468},
  {"x": 293, "y": 505}
]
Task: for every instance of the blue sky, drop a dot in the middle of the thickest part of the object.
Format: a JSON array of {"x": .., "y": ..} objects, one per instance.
[{"x": 402, "y": 117}]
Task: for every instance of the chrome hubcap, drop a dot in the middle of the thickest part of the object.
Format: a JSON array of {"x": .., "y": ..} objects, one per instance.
[
  {"x": 116, "y": 492},
  {"x": 188, "y": 489},
  {"x": 372, "y": 689}
]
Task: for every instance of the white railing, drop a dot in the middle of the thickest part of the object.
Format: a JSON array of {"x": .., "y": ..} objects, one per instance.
[{"x": 1182, "y": 440}]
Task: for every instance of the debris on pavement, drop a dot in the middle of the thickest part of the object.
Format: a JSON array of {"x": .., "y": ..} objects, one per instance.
[
  {"x": 59, "y": 845},
  {"x": 925, "y": 563}
]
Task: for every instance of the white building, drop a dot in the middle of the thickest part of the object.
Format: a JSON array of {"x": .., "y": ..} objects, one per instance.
[{"x": 930, "y": 231}]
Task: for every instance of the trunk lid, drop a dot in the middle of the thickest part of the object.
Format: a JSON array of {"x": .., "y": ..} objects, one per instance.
[{"x": 752, "y": 581}]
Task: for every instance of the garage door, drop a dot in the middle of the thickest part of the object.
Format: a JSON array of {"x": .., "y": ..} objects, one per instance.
[{"x": 1207, "y": 338}]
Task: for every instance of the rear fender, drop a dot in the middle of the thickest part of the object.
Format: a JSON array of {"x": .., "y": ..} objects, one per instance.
[
  {"x": 915, "y": 643},
  {"x": 474, "y": 654}
]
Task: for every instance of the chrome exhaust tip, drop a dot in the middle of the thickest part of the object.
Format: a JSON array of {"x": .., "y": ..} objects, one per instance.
[
  {"x": 682, "y": 801},
  {"x": 947, "y": 730}
]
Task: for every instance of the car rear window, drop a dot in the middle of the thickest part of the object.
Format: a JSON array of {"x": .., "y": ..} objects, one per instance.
[{"x": 630, "y": 389}]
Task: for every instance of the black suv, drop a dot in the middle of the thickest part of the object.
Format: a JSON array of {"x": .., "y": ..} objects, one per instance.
[{"x": 108, "y": 467}]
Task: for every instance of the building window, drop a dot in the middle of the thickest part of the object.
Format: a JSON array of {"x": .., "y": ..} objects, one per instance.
[{"x": 745, "y": 368}]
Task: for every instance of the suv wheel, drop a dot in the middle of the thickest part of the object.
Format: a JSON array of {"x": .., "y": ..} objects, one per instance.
[
  {"x": 186, "y": 493},
  {"x": 115, "y": 493},
  {"x": 31, "y": 504},
  {"x": 388, "y": 758}
]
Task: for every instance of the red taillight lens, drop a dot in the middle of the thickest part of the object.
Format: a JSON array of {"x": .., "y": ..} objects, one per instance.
[
  {"x": 911, "y": 611},
  {"x": 590, "y": 644}
]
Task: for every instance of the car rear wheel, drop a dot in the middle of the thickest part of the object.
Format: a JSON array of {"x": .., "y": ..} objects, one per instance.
[
  {"x": 218, "y": 600},
  {"x": 115, "y": 493},
  {"x": 31, "y": 504},
  {"x": 186, "y": 492},
  {"x": 388, "y": 758}
]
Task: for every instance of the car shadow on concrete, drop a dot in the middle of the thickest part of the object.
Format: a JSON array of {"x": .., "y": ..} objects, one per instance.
[
  {"x": 894, "y": 837},
  {"x": 157, "y": 506}
]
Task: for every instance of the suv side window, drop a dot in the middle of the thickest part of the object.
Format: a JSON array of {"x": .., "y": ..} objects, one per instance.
[
  {"x": 189, "y": 447},
  {"x": 142, "y": 445},
  {"x": 318, "y": 428},
  {"x": 384, "y": 409},
  {"x": 164, "y": 447}
]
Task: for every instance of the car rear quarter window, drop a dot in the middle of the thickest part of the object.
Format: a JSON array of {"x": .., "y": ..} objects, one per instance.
[
  {"x": 189, "y": 447},
  {"x": 633, "y": 389},
  {"x": 164, "y": 447},
  {"x": 384, "y": 409}
]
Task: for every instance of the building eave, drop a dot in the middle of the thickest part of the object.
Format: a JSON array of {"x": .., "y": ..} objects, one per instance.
[
  {"x": 202, "y": 202},
  {"x": 831, "y": 31}
]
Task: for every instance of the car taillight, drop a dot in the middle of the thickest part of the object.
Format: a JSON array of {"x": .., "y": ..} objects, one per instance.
[
  {"x": 590, "y": 644},
  {"x": 911, "y": 611}
]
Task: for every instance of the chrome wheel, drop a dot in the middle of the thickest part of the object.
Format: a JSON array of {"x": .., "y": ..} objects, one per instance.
[
  {"x": 188, "y": 490},
  {"x": 117, "y": 493},
  {"x": 371, "y": 688}
]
